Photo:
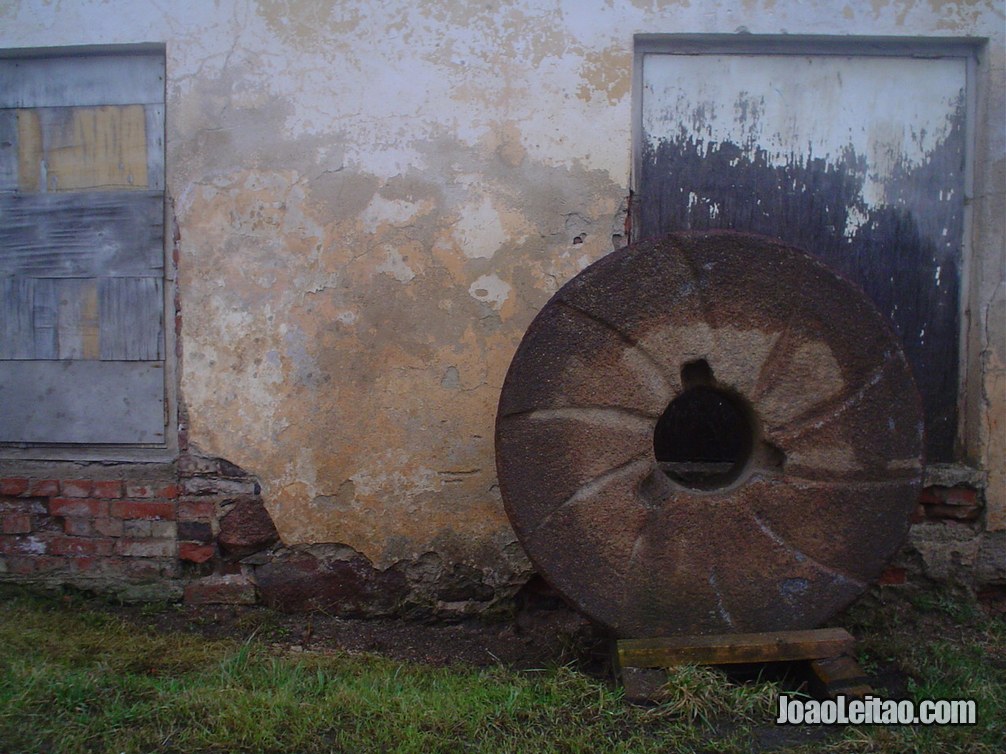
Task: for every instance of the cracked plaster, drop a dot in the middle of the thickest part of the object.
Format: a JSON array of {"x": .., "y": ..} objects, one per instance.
[{"x": 374, "y": 199}]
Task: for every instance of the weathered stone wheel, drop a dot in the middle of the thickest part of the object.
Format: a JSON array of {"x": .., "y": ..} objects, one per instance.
[{"x": 706, "y": 433}]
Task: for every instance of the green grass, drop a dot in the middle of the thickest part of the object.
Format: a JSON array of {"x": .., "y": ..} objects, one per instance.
[{"x": 78, "y": 679}]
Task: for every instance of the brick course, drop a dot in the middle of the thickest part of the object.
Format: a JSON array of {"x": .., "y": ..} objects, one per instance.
[
  {"x": 196, "y": 510},
  {"x": 43, "y": 488},
  {"x": 939, "y": 503},
  {"x": 146, "y": 540},
  {"x": 13, "y": 486},
  {"x": 77, "y": 546},
  {"x": 195, "y": 531},
  {"x": 76, "y": 488},
  {"x": 108, "y": 489},
  {"x": 145, "y": 548},
  {"x": 79, "y": 527},
  {"x": 195, "y": 552},
  {"x": 75, "y": 506},
  {"x": 138, "y": 536},
  {"x": 97, "y": 532},
  {"x": 16, "y": 522},
  {"x": 108, "y": 527},
  {"x": 126, "y": 509},
  {"x": 152, "y": 489}
]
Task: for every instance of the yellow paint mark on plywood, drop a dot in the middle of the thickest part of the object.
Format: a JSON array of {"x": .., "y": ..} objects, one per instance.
[
  {"x": 29, "y": 148},
  {"x": 77, "y": 323},
  {"x": 79, "y": 148},
  {"x": 90, "y": 328}
]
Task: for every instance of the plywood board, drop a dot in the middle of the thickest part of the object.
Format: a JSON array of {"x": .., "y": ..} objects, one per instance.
[
  {"x": 8, "y": 150},
  {"x": 130, "y": 319},
  {"x": 16, "y": 330},
  {"x": 82, "y": 80},
  {"x": 77, "y": 318},
  {"x": 82, "y": 234},
  {"x": 29, "y": 155},
  {"x": 77, "y": 148},
  {"x": 44, "y": 319},
  {"x": 82, "y": 402},
  {"x": 49, "y": 318},
  {"x": 114, "y": 319},
  {"x": 154, "y": 115},
  {"x": 727, "y": 649}
]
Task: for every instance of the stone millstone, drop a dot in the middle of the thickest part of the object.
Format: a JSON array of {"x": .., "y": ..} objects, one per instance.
[{"x": 808, "y": 519}]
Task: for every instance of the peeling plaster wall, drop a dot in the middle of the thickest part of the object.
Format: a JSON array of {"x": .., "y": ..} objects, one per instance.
[{"x": 375, "y": 198}]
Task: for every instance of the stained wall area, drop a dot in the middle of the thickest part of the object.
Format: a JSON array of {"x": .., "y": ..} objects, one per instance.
[{"x": 367, "y": 203}]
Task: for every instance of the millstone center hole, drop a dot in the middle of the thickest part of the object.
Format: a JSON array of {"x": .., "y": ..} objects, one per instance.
[{"x": 703, "y": 440}]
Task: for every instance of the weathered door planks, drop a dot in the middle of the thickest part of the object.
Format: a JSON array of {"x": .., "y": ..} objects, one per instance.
[
  {"x": 82, "y": 81},
  {"x": 131, "y": 321},
  {"x": 111, "y": 319},
  {"x": 8, "y": 150},
  {"x": 17, "y": 328},
  {"x": 82, "y": 250},
  {"x": 77, "y": 318},
  {"x": 82, "y": 402},
  {"x": 81, "y": 234},
  {"x": 82, "y": 148},
  {"x": 858, "y": 159}
]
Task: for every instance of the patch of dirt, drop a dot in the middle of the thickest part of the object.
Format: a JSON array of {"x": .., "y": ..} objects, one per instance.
[{"x": 543, "y": 632}]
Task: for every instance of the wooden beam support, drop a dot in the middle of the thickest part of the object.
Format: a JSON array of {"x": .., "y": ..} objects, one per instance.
[
  {"x": 838, "y": 675},
  {"x": 726, "y": 649},
  {"x": 642, "y": 664}
]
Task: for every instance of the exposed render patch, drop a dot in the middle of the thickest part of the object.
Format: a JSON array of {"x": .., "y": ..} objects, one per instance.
[
  {"x": 479, "y": 231},
  {"x": 389, "y": 307},
  {"x": 396, "y": 265},
  {"x": 305, "y": 23},
  {"x": 608, "y": 72},
  {"x": 396, "y": 212},
  {"x": 491, "y": 290},
  {"x": 344, "y": 497}
]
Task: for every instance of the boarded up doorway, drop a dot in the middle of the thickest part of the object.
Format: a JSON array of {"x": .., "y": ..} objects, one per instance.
[
  {"x": 82, "y": 352},
  {"x": 854, "y": 150}
]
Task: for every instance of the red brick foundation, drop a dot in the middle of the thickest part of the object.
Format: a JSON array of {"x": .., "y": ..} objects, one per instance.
[
  {"x": 134, "y": 536},
  {"x": 940, "y": 503},
  {"x": 90, "y": 532},
  {"x": 198, "y": 530}
]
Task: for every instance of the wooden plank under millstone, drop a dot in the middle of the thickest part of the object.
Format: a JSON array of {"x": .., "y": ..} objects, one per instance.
[{"x": 728, "y": 649}]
